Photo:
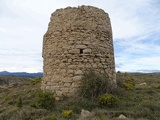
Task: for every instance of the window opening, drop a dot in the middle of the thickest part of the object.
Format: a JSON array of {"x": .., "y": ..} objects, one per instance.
[{"x": 81, "y": 51}]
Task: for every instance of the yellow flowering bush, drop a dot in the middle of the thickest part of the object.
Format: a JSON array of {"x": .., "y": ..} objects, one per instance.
[{"x": 67, "y": 114}]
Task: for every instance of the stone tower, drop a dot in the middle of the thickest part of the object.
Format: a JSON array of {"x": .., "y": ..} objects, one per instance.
[{"x": 77, "y": 40}]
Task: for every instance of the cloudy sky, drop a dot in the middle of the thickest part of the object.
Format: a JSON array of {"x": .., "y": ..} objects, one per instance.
[{"x": 135, "y": 25}]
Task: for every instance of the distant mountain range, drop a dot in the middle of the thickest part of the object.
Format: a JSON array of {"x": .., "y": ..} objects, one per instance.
[
  {"x": 21, "y": 74},
  {"x": 40, "y": 74}
]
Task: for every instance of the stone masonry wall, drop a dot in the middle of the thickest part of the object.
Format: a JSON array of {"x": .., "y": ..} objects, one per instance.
[{"x": 77, "y": 40}]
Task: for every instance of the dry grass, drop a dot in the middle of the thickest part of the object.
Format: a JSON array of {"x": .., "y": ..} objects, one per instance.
[{"x": 142, "y": 103}]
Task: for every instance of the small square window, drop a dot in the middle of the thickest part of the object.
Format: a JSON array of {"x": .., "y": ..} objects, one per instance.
[{"x": 81, "y": 51}]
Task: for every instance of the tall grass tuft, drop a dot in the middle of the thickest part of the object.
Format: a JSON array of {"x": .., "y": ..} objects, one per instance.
[{"x": 94, "y": 84}]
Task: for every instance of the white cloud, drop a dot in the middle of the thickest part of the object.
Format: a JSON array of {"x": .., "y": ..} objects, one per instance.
[
  {"x": 2, "y": 30},
  {"x": 135, "y": 64},
  {"x": 141, "y": 50},
  {"x": 16, "y": 60}
]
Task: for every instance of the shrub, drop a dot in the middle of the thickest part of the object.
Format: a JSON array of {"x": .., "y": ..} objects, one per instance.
[
  {"x": 120, "y": 78},
  {"x": 51, "y": 117},
  {"x": 19, "y": 102},
  {"x": 125, "y": 81},
  {"x": 131, "y": 79},
  {"x": 85, "y": 104},
  {"x": 67, "y": 114},
  {"x": 158, "y": 87},
  {"x": 94, "y": 85},
  {"x": 44, "y": 100},
  {"x": 150, "y": 90},
  {"x": 103, "y": 117},
  {"x": 128, "y": 86},
  {"x": 125, "y": 74},
  {"x": 36, "y": 81},
  {"x": 119, "y": 91},
  {"x": 107, "y": 100}
]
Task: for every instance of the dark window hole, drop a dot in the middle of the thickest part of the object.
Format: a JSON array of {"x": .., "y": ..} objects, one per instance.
[{"x": 81, "y": 51}]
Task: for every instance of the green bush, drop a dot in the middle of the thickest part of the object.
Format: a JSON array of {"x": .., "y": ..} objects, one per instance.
[
  {"x": 67, "y": 114},
  {"x": 107, "y": 100},
  {"x": 131, "y": 79},
  {"x": 124, "y": 77},
  {"x": 158, "y": 87},
  {"x": 125, "y": 81},
  {"x": 44, "y": 100},
  {"x": 94, "y": 85},
  {"x": 119, "y": 91},
  {"x": 51, "y": 117},
  {"x": 103, "y": 117},
  {"x": 128, "y": 86},
  {"x": 150, "y": 91},
  {"x": 36, "y": 81},
  {"x": 120, "y": 78},
  {"x": 19, "y": 102}
]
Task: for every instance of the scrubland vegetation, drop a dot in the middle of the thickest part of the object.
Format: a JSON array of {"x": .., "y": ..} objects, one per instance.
[{"x": 137, "y": 97}]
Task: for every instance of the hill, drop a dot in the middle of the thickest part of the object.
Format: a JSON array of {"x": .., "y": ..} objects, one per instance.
[
  {"x": 11, "y": 81},
  {"x": 21, "y": 74},
  {"x": 140, "y": 103}
]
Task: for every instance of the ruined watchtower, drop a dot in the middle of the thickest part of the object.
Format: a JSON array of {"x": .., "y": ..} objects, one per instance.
[{"x": 77, "y": 40}]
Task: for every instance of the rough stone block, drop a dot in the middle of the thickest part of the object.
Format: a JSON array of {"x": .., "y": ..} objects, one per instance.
[
  {"x": 70, "y": 71},
  {"x": 87, "y": 51},
  {"x": 86, "y": 42},
  {"x": 77, "y": 78},
  {"x": 67, "y": 84},
  {"x": 65, "y": 90},
  {"x": 74, "y": 51},
  {"x": 81, "y": 46},
  {"x": 67, "y": 79},
  {"x": 78, "y": 72},
  {"x": 59, "y": 93}
]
